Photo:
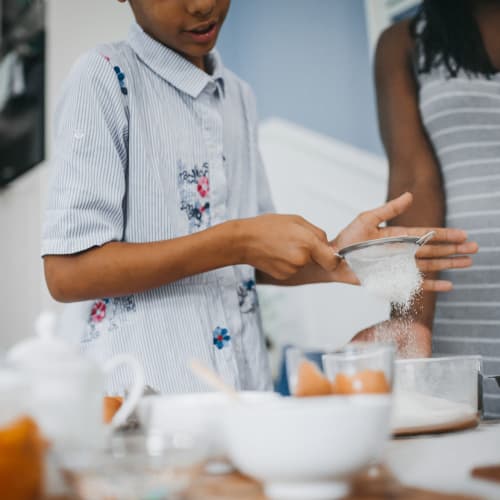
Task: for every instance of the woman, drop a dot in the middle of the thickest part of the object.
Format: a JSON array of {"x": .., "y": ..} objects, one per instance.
[{"x": 438, "y": 91}]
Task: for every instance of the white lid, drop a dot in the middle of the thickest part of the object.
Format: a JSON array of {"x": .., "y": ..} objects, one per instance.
[
  {"x": 14, "y": 394},
  {"x": 45, "y": 349}
]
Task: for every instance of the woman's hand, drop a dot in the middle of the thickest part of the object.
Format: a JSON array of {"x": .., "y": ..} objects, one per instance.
[
  {"x": 412, "y": 339},
  {"x": 281, "y": 245},
  {"x": 445, "y": 251}
]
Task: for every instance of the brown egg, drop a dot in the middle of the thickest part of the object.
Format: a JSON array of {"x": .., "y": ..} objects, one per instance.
[
  {"x": 363, "y": 382},
  {"x": 111, "y": 405},
  {"x": 342, "y": 384},
  {"x": 310, "y": 381}
]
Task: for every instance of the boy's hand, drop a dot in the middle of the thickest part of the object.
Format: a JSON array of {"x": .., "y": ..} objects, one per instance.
[
  {"x": 281, "y": 245},
  {"x": 440, "y": 254}
]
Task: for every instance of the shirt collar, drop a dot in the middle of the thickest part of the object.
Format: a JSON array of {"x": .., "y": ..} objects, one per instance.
[{"x": 174, "y": 68}]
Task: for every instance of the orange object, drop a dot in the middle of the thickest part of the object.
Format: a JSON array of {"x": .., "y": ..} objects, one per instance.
[
  {"x": 21, "y": 460},
  {"x": 111, "y": 405},
  {"x": 363, "y": 382},
  {"x": 310, "y": 381}
]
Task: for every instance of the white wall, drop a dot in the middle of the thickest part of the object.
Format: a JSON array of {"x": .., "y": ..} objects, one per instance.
[{"x": 73, "y": 26}]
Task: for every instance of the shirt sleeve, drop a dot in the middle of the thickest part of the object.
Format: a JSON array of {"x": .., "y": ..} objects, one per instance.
[
  {"x": 265, "y": 199},
  {"x": 85, "y": 206}
]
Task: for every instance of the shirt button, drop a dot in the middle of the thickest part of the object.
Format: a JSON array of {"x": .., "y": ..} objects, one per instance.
[{"x": 211, "y": 87}]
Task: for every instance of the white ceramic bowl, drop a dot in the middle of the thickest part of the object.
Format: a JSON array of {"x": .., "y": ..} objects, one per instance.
[
  {"x": 307, "y": 447},
  {"x": 195, "y": 414}
]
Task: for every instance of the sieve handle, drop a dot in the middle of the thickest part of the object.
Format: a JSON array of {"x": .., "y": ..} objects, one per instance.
[{"x": 426, "y": 237}]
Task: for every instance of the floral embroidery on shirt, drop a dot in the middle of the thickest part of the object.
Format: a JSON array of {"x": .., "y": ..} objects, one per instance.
[
  {"x": 98, "y": 311},
  {"x": 221, "y": 337},
  {"x": 102, "y": 317},
  {"x": 247, "y": 296},
  {"x": 121, "y": 79},
  {"x": 203, "y": 187},
  {"x": 194, "y": 189}
]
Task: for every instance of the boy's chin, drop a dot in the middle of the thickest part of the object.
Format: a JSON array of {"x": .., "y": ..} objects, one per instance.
[{"x": 199, "y": 50}]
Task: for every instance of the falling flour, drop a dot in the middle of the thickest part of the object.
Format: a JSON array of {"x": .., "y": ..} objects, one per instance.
[
  {"x": 389, "y": 272},
  {"x": 402, "y": 332}
]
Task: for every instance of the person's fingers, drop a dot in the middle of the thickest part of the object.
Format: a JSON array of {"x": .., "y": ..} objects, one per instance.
[
  {"x": 388, "y": 211},
  {"x": 437, "y": 286},
  {"x": 432, "y": 265},
  {"x": 443, "y": 234},
  {"x": 318, "y": 232},
  {"x": 444, "y": 250},
  {"x": 324, "y": 255}
]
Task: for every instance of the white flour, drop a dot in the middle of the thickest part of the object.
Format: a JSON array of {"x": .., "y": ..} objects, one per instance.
[
  {"x": 414, "y": 409},
  {"x": 389, "y": 272},
  {"x": 401, "y": 331}
]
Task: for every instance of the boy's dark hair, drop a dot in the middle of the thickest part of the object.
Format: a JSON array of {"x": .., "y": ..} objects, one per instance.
[{"x": 449, "y": 34}]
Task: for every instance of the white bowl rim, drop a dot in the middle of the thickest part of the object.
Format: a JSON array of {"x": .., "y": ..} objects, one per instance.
[
  {"x": 314, "y": 403},
  {"x": 209, "y": 397},
  {"x": 458, "y": 357}
]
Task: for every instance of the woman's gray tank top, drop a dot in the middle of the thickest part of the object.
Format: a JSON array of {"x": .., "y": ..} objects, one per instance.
[{"x": 461, "y": 116}]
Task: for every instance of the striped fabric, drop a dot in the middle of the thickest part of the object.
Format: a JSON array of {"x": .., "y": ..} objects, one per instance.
[
  {"x": 147, "y": 148},
  {"x": 462, "y": 118}
]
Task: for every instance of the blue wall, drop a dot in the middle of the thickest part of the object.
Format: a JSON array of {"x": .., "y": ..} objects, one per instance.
[{"x": 308, "y": 62}]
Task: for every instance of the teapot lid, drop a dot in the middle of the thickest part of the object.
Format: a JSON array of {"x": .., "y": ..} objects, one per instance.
[{"x": 45, "y": 348}]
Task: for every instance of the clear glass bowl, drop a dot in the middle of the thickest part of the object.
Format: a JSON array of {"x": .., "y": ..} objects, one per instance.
[
  {"x": 358, "y": 368},
  {"x": 361, "y": 368},
  {"x": 438, "y": 393},
  {"x": 136, "y": 467},
  {"x": 295, "y": 358}
]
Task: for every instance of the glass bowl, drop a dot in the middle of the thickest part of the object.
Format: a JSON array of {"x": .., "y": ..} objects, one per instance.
[
  {"x": 305, "y": 373},
  {"x": 361, "y": 368},
  {"x": 136, "y": 467}
]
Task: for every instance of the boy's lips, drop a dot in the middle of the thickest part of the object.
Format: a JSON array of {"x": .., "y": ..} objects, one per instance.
[{"x": 204, "y": 33}]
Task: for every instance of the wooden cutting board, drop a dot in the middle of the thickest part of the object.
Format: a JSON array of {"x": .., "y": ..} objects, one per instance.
[
  {"x": 460, "y": 425},
  {"x": 375, "y": 484}
]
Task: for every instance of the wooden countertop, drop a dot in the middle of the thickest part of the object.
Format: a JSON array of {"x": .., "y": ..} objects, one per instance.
[{"x": 420, "y": 468}]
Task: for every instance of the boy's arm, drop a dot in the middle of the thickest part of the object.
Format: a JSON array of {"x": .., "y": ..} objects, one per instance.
[
  {"x": 279, "y": 245},
  {"x": 119, "y": 268}
]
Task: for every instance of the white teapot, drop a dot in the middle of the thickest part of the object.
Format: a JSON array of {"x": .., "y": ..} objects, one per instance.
[{"x": 67, "y": 389}]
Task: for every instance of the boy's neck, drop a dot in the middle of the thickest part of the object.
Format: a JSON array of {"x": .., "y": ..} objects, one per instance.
[{"x": 199, "y": 62}]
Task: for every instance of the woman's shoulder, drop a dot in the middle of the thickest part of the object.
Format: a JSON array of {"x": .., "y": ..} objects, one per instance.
[{"x": 396, "y": 42}]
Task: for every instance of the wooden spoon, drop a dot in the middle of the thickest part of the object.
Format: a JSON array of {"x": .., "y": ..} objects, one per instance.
[{"x": 212, "y": 379}]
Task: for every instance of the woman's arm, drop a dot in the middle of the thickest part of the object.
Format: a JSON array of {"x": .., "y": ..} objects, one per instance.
[{"x": 412, "y": 164}]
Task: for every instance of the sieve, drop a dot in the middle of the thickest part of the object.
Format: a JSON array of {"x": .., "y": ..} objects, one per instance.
[{"x": 385, "y": 243}]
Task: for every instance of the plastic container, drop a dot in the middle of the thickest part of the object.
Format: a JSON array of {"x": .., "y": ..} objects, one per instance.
[{"x": 436, "y": 394}]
